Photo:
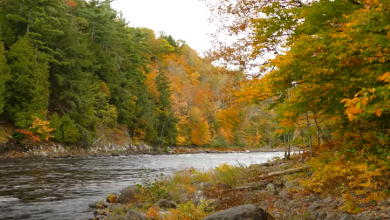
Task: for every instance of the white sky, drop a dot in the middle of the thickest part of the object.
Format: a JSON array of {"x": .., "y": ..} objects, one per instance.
[{"x": 183, "y": 19}]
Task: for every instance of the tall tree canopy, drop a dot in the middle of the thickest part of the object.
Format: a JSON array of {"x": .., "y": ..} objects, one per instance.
[
  {"x": 324, "y": 62},
  {"x": 77, "y": 66}
]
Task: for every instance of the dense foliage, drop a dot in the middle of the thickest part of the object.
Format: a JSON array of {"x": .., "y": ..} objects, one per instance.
[
  {"x": 325, "y": 66},
  {"x": 84, "y": 73}
]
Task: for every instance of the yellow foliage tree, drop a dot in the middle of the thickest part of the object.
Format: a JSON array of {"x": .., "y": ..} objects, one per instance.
[{"x": 41, "y": 128}]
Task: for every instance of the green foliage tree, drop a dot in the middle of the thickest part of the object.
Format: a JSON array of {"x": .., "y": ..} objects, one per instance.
[
  {"x": 4, "y": 75},
  {"x": 55, "y": 123},
  {"x": 65, "y": 128},
  {"x": 107, "y": 114},
  {"x": 28, "y": 87},
  {"x": 70, "y": 133},
  {"x": 166, "y": 124}
]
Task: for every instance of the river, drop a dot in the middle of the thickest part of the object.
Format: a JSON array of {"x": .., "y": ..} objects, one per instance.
[{"x": 62, "y": 188}]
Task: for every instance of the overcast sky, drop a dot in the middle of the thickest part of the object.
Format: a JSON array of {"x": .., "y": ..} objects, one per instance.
[{"x": 183, "y": 19}]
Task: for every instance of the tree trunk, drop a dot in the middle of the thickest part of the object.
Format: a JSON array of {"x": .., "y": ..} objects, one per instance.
[
  {"x": 310, "y": 142},
  {"x": 285, "y": 146},
  {"x": 278, "y": 173},
  {"x": 289, "y": 146}
]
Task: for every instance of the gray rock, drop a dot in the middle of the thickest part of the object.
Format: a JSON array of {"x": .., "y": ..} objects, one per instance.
[
  {"x": 289, "y": 185},
  {"x": 279, "y": 203},
  {"x": 283, "y": 193},
  {"x": 332, "y": 216},
  {"x": 119, "y": 209},
  {"x": 98, "y": 205},
  {"x": 244, "y": 212},
  {"x": 204, "y": 185},
  {"x": 313, "y": 207},
  {"x": 163, "y": 203},
  {"x": 321, "y": 215},
  {"x": 327, "y": 200},
  {"x": 294, "y": 204},
  {"x": 313, "y": 215},
  {"x": 278, "y": 183},
  {"x": 311, "y": 198},
  {"x": 270, "y": 186},
  {"x": 334, "y": 204},
  {"x": 347, "y": 216},
  {"x": 128, "y": 194},
  {"x": 134, "y": 215},
  {"x": 363, "y": 204}
]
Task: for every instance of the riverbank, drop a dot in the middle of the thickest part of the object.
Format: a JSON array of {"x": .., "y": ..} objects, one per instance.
[
  {"x": 277, "y": 187},
  {"x": 55, "y": 150}
]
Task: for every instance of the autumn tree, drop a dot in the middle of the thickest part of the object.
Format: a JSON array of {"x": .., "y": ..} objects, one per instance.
[{"x": 200, "y": 130}]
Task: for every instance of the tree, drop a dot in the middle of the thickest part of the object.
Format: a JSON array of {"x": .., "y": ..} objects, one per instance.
[
  {"x": 107, "y": 114},
  {"x": 65, "y": 128},
  {"x": 166, "y": 125},
  {"x": 28, "y": 87},
  {"x": 4, "y": 75},
  {"x": 200, "y": 130}
]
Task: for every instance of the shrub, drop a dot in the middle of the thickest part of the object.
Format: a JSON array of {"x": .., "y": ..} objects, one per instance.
[{"x": 65, "y": 128}]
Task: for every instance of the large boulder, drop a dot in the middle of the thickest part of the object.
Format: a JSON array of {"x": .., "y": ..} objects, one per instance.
[
  {"x": 134, "y": 215},
  {"x": 98, "y": 205},
  {"x": 243, "y": 212},
  {"x": 128, "y": 194},
  {"x": 165, "y": 204}
]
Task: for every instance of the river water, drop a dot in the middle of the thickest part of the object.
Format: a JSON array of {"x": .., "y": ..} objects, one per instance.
[{"x": 62, "y": 188}]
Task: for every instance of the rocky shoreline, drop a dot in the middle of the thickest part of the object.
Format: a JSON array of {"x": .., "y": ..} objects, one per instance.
[
  {"x": 54, "y": 150},
  {"x": 278, "y": 197}
]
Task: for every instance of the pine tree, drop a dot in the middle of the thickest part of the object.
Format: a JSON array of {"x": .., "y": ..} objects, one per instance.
[
  {"x": 166, "y": 125},
  {"x": 4, "y": 74},
  {"x": 28, "y": 87},
  {"x": 65, "y": 128}
]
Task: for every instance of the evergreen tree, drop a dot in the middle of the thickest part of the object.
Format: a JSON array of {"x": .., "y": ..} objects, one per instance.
[
  {"x": 42, "y": 20},
  {"x": 4, "y": 74},
  {"x": 28, "y": 88},
  {"x": 70, "y": 133},
  {"x": 55, "y": 123},
  {"x": 65, "y": 128},
  {"x": 166, "y": 124}
]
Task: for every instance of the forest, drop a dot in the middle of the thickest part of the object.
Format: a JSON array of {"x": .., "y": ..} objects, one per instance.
[
  {"x": 313, "y": 75},
  {"x": 329, "y": 74},
  {"x": 73, "y": 71},
  {"x": 325, "y": 66}
]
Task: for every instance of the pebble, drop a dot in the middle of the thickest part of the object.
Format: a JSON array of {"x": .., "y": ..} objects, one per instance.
[
  {"x": 321, "y": 215},
  {"x": 347, "y": 216},
  {"x": 334, "y": 204},
  {"x": 289, "y": 185},
  {"x": 311, "y": 198},
  {"x": 363, "y": 204},
  {"x": 313, "y": 207},
  {"x": 283, "y": 193},
  {"x": 328, "y": 200},
  {"x": 270, "y": 186}
]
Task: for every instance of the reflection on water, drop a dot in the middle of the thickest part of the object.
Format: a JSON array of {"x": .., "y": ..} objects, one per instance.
[{"x": 62, "y": 188}]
